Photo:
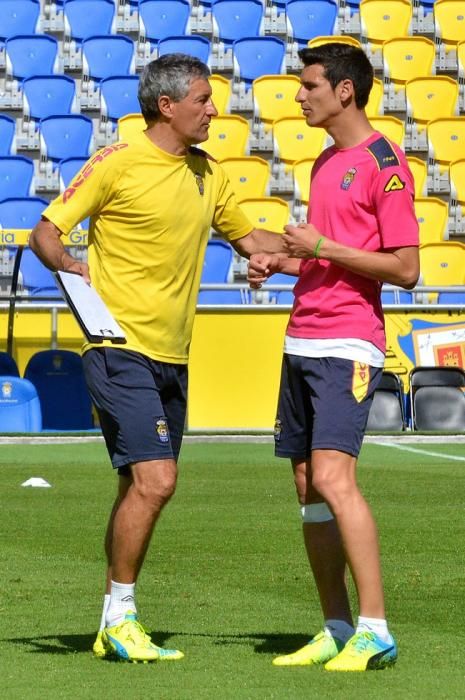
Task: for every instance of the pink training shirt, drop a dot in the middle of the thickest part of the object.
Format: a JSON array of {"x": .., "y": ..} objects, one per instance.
[{"x": 361, "y": 197}]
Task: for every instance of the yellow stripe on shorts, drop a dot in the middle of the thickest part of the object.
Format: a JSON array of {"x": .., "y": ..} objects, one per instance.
[{"x": 360, "y": 381}]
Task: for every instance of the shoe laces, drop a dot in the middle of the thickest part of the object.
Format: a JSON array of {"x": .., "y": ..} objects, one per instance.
[
  {"x": 136, "y": 632},
  {"x": 362, "y": 641}
]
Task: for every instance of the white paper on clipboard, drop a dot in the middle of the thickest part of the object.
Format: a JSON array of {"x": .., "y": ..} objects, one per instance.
[{"x": 89, "y": 309}]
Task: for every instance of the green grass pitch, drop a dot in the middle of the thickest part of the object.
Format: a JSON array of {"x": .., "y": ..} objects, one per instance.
[{"x": 226, "y": 578}]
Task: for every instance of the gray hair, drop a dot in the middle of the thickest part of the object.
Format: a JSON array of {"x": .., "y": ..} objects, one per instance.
[{"x": 169, "y": 75}]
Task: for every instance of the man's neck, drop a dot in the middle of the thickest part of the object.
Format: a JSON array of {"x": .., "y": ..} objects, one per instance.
[
  {"x": 166, "y": 139},
  {"x": 351, "y": 130}
]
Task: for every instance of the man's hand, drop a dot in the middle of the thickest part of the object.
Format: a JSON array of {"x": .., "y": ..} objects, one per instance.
[
  {"x": 76, "y": 266},
  {"x": 300, "y": 241},
  {"x": 261, "y": 266}
]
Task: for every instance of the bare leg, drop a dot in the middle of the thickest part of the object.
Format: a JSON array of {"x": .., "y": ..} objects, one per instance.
[{"x": 124, "y": 482}]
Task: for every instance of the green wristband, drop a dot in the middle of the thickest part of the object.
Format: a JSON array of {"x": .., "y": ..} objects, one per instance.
[{"x": 319, "y": 243}]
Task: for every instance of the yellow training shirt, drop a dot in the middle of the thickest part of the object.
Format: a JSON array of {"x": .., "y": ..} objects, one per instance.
[{"x": 151, "y": 214}]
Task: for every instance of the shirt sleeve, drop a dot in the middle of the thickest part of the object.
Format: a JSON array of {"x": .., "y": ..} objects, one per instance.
[
  {"x": 88, "y": 192},
  {"x": 393, "y": 195},
  {"x": 229, "y": 220}
]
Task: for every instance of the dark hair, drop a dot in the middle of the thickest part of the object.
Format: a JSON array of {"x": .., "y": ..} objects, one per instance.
[
  {"x": 171, "y": 75},
  {"x": 340, "y": 62}
]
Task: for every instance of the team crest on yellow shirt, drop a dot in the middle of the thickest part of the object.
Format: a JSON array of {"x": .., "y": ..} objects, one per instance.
[
  {"x": 348, "y": 178},
  {"x": 360, "y": 381},
  {"x": 199, "y": 181},
  {"x": 161, "y": 427}
]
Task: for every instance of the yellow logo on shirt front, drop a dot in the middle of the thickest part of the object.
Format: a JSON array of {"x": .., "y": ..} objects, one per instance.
[{"x": 395, "y": 183}]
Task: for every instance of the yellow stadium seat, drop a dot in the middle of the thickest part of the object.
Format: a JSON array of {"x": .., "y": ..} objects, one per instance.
[
  {"x": 249, "y": 176},
  {"x": 446, "y": 141},
  {"x": 271, "y": 213},
  {"x": 292, "y": 139},
  {"x": 375, "y": 105},
  {"x": 442, "y": 264},
  {"x": 419, "y": 170},
  {"x": 334, "y": 38},
  {"x": 428, "y": 98},
  {"x": 457, "y": 196},
  {"x": 301, "y": 171},
  {"x": 449, "y": 29},
  {"x": 432, "y": 215},
  {"x": 391, "y": 127},
  {"x": 273, "y": 97},
  {"x": 382, "y": 20},
  {"x": 130, "y": 125},
  {"x": 227, "y": 137},
  {"x": 221, "y": 92},
  {"x": 461, "y": 73},
  {"x": 405, "y": 58}
]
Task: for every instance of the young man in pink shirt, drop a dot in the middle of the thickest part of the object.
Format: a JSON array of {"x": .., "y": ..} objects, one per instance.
[{"x": 361, "y": 232}]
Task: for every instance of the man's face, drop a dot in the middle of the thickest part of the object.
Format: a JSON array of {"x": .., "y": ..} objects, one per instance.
[
  {"x": 320, "y": 103},
  {"x": 192, "y": 115}
]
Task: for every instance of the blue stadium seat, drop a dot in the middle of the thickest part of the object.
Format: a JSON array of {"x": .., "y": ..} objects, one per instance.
[
  {"x": 194, "y": 45},
  {"x": 159, "y": 19},
  {"x": 232, "y": 21},
  {"x": 280, "y": 296},
  {"x": 44, "y": 96},
  {"x": 81, "y": 20},
  {"x": 19, "y": 17},
  {"x": 396, "y": 297},
  {"x": 8, "y": 366},
  {"x": 16, "y": 177},
  {"x": 451, "y": 298},
  {"x": 118, "y": 97},
  {"x": 217, "y": 262},
  {"x": 21, "y": 213},
  {"x": 252, "y": 58},
  {"x": 66, "y": 136},
  {"x": 102, "y": 57},
  {"x": 7, "y": 135},
  {"x": 307, "y": 19},
  {"x": 68, "y": 169},
  {"x": 27, "y": 55},
  {"x": 19, "y": 406},
  {"x": 59, "y": 379},
  {"x": 37, "y": 280},
  {"x": 222, "y": 297}
]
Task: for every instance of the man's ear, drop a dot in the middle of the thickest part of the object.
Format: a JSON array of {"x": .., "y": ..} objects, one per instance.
[
  {"x": 165, "y": 105},
  {"x": 346, "y": 90}
]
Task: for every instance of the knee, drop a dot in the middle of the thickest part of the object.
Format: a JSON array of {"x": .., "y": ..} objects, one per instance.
[
  {"x": 331, "y": 487},
  {"x": 158, "y": 486}
]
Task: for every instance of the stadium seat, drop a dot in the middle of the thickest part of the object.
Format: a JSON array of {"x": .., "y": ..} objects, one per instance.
[
  {"x": 102, "y": 57},
  {"x": 118, "y": 96},
  {"x": 337, "y": 38},
  {"x": 21, "y": 213},
  {"x": 457, "y": 196},
  {"x": 194, "y": 45},
  {"x": 7, "y": 136},
  {"x": 382, "y": 20},
  {"x": 67, "y": 170},
  {"x": 375, "y": 104},
  {"x": 452, "y": 298},
  {"x": 292, "y": 137},
  {"x": 271, "y": 213},
  {"x": 446, "y": 141},
  {"x": 16, "y": 177},
  {"x": 8, "y": 366},
  {"x": 44, "y": 96},
  {"x": 130, "y": 125},
  {"x": 37, "y": 280},
  {"x": 301, "y": 171},
  {"x": 66, "y": 136},
  {"x": 305, "y": 20},
  {"x": 395, "y": 296},
  {"x": 19, "y": 17},
  {"x": 228, "y": 137},
  {"x": 419, "y": 171},
  {"x": 221, "y": 93},
  {"x": 276, "y": 296},
  {"x": 449, "y": 30},
  {"x": 81, "y": 20},
  {"x": 404, "y": 58},
  {"x": 25, "y": 56},
  {"x": 58, "y": 377},
  {"x": 159, "y": 19},
  {"x": 249, "y": 176},
  {"x": 19, "y": 406},
  {"x": 232, "y": 21},
  {"x": 437, "y": 398},
  {"x": 428, "y": 98},
  {"x": 273, "y": 98},
  {"x": 442, "y": 264},
  {"x": 387, "y": 409},
  {"x": 391, "y": 127},
  {"x": 253, "y": 57},
  {"x": 432, "y": 215},
  {"x": 223, "y": 297},
  {"x": 217, "y": 263},
  {"x": 461, "y": 73}
]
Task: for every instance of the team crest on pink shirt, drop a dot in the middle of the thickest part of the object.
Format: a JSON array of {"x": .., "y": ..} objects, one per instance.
[{"x": 348, "y": 178}]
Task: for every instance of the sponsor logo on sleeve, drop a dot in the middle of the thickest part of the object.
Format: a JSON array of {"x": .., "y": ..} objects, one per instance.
[{"x": 89, "y": 169}]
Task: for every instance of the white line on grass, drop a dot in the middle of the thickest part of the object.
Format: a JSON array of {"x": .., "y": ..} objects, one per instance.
[{"x": 421, "y": 452}]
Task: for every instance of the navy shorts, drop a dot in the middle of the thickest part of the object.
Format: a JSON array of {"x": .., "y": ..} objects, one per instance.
[
  {"x": 323, "y": 404},
  {"x": 141, "y": 404}
]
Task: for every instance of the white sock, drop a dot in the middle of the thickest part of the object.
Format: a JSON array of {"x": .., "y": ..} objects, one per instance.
[
  {"x": 122, "y": 599},
  {"x": 106, "y": 603},
  {"x": 376, "y": 625},
  {"x": 339, "y": 629}
]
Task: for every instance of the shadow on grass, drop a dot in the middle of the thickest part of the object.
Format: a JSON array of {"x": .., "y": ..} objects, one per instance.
[{"x": 262, "y": 643}]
